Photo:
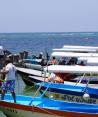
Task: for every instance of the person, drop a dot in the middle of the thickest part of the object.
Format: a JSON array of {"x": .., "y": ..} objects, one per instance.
[
  {"x": 1, "y": 56},
  {"x": 51, "y": 78},
  {"x": 59, "y": 78},
  {"x": 55, "y": 77},
  {"x": 40, "y": 55},
  {"x": 53, "y": 61},
  {"x": 9, "y": 82}
]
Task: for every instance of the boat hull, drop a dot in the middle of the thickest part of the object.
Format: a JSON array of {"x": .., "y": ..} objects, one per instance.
[
  {"x": 14, "y": 110},
  {"x": 69, "y": 92},
  {"x": 27, "y": 106}
]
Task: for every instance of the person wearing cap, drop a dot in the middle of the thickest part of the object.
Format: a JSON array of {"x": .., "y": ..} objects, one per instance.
[{"x": 9, "y": 82}]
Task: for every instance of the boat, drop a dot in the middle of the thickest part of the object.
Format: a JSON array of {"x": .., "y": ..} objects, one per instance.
[
  {"x": 49, "y": 107},
  {"x": 35, "y": 75},
  {"x": 36, "y": 79},
  {"x": 81, "y": 50},
  {"x": 73, "y": 54},
  {"x": 28, "y": 106},
  {"x": 29, "y": 71},
  {"x": 33, "y": 64},
  {"x": 81, "y": 47},
  {"x": 73, "y": 91},
  {"x": 72, "y": 69}
]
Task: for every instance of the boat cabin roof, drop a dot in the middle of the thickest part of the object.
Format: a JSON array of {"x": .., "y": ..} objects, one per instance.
[
  {"x": 93, "y": 60},
  {"x": 71, "y": 69},
  {"x": 85, "y": 47},
  {"x": 72, "y": 54},
  {"x": 74, "y": 50}
]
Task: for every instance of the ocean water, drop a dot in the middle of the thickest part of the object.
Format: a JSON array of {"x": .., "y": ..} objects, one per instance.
[
  {"x": 36, "y": 42},
  {"x": 43, "y": 42}
]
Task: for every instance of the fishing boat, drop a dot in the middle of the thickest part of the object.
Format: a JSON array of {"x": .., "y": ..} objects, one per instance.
[
  {"x": 42, "y": 106},
  {"x": 29, "y": 71},
  {"x": 80, "y": 47},
  {"x": 35, "y": 75},
  {"x": 38, "y": 74},
  {"x": 73, "y": 91},
  {"x": 28, "y": 106},
  {"x": 73, "y": 54},
  {"x": 81, "y": 50},
  {"x": 33, "y": 64}
]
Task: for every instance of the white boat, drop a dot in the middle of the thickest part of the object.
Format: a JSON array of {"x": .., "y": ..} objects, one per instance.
[
  {"x": 36, "y": 75},
  {"x": 72, "y": 69},
  {"x": 80, "y": 47},
  {"x": 33, "y": 66},
  {"x": 29, "y": 71},
  {"x": 73, "y": 54},
  {"x": 75, "y": 50},
  {"x": 92, "y": 61}
]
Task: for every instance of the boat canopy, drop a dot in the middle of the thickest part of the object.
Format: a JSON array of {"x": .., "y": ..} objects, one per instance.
[
  {"x": 72, "y": 54},
  {"x": 87, "y": 58},
  {"x": 71, "y": 69},
  {"x": 92, "y": 60},
  {"x": 85, "y": 47},
  {"x": 74, "y": 50}
]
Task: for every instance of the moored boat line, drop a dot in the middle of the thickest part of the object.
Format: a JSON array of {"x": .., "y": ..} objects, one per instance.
[{"x": 75, "y": 99}]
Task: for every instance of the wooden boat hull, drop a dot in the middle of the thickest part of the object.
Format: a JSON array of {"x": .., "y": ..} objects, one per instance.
[{"x": 46, "y": 108}]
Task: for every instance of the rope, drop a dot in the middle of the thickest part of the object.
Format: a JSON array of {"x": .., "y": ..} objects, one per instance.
[
  {"x": 85, "y": 89},
  {"x": 36, "y": 93},
  {"x": 46, "y": 89},
  {"x": 80, "y": 79}
]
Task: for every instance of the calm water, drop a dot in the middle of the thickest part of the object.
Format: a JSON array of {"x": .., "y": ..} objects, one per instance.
[{"x": 36, "y": 42}]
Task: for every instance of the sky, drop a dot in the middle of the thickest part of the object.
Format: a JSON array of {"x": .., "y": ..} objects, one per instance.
[{"x": 48, "y": 16}]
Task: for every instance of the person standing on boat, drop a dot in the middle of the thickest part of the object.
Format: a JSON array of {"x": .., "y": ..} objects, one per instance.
[{"x": 9, "y": 82}]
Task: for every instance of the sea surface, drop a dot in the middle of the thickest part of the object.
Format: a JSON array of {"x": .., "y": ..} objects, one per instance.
[
  {"x": 36, "y": 42},
  {"x": 43, "y": 42}
]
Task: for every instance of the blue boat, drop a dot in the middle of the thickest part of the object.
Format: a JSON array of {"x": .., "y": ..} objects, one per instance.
[
  {"x": 28, "y": 106},
  {"x": 69, "y": 92},
  {"x": 72, "y": 92}
]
